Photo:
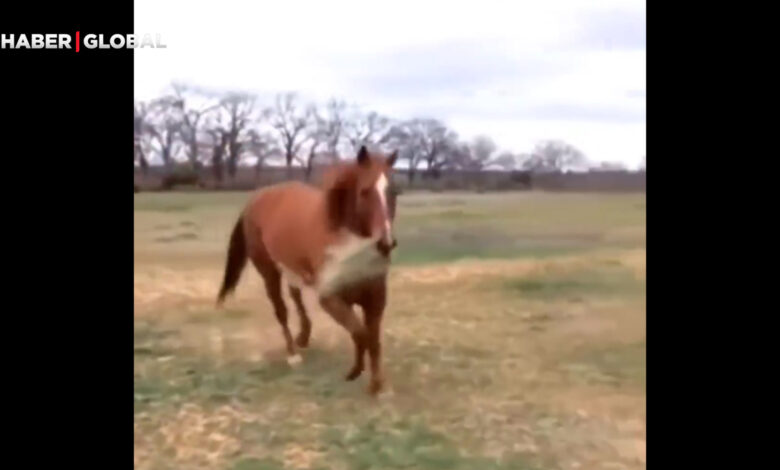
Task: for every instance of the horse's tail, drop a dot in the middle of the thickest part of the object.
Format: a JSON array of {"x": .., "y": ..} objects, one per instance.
[{"x": 236, "y": 260}]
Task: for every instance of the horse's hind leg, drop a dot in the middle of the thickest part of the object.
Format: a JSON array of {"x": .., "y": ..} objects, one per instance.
[
  {"x": 302, "y": 340},
  {"x": 273, "y": 287},
  {"x": 345, "y": 316}
]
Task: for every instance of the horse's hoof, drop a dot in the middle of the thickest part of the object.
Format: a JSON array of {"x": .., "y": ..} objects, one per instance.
[
  {"x": 294, "y": 360},
  {"x": 375, "y": 387},
  {"x": 353, "y": 374}
]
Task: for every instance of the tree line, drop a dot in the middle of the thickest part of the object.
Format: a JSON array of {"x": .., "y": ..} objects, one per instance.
[{"x": 219, "y": 132}]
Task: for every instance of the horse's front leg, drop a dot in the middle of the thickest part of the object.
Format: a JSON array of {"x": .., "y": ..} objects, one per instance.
[
  {"x": 345, "y": 316},
  {"x": 373, "y": 309}
]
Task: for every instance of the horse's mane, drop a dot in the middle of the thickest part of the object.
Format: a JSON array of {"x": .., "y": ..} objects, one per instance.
[
  {"x": 338, "y": 175},
  {"x": 338, "y": 184}
]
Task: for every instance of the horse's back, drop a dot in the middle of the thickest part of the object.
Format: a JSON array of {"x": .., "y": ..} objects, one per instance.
[
  {"x": 280, "y": 217},
  {"x": 291, "y": 192}
]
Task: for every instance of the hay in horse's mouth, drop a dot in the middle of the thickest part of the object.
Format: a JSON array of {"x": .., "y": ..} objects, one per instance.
[
  {"x": 355, "y": 261},
  {"x": 385, "y": 249}
]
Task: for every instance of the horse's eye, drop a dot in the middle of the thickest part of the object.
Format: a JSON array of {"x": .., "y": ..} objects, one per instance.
[{"x": 365, "y": 192}]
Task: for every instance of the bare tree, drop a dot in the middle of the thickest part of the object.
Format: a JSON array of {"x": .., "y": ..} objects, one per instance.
[
  {"x": 141, "y": 133},
  {"x": 332, "y": 126},
  {"x": 481, "y": 149},
  {"x": 480, "y": 153},
  {"x": 506, "y": 160},
  {"x": 439, "y": 144},
  {"x": 402, "y": 137},
  {"x": 223, "y": 133},
  {"x": 610, "y": 166},
  {"x": 220, "y": 144},
  {"x": 190, "y": 123},
  {"x": 218, "y": 135},
  {"x": 522, "y": 161},
  {"x": 237, "y": 109},
  {"x": 164, "y": 125},
  {"x": 371, "y": 129},
  {"x": 425, "y": 140},
  {"x": 261, "y": 146},
  {"x": 313, "y": 147},
  {"x": 554, "y": 155},
  {"x": 290, "y": 123},
  {"x": 318, "y": 133}
]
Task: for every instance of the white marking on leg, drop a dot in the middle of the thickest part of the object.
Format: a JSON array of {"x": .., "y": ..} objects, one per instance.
[
  {"x": 386, "y": 392},
  {"x": 290, "y": 277},
  {"x": 294, "y": 360}
]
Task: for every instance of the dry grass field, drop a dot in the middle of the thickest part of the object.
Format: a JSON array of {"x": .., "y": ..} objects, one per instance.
[{"x": 514, "y": 339}]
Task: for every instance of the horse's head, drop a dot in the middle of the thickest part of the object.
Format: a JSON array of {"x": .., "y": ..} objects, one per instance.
[{"x": 361, "y": 198}]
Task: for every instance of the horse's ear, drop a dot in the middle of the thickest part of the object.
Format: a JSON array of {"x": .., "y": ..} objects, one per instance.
[
  {"x": 362, "y": 157},
  {"x": 392, "y": 159}
]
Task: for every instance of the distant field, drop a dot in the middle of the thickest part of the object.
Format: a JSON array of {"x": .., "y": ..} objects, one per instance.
[
  {"x": 514, "y": 337},
  {"x": 430, "y": 227}
]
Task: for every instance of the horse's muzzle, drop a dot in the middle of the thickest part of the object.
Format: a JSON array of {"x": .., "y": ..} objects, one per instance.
[{"x": 386, "y": 247}]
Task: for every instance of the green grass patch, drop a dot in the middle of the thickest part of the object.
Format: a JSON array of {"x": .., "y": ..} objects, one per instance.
[
  {"x": 617, "y": 365},
  {"x": 258, "y": 464},
  {"x": 437, "y": 244},
  {"x": 610, "y": 280},
  {"x": 403, "y": 445},
  {"x": 470, "y": 378}
]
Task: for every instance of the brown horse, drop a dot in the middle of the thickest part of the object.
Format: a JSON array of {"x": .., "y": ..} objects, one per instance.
[{"x": 335, "y": 240}]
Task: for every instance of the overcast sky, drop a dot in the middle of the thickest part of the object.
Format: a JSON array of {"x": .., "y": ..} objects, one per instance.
[{"x": 517, "y": 71}]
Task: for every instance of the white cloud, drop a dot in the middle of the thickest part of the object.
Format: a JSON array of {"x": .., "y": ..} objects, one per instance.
[{"x": 517, "y": 71}]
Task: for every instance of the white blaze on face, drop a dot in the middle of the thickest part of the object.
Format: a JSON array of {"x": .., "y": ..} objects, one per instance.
[{"x": 381, "y": 187}]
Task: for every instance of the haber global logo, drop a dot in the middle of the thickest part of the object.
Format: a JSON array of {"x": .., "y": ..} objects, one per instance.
[{"x": 76, "y": 41}]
